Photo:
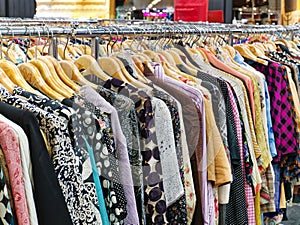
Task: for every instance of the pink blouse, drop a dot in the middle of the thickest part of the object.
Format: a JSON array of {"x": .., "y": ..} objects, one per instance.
[{"x": 10, "y": 146}]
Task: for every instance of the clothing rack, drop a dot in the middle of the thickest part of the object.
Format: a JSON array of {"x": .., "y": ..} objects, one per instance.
[
  {"x": 121, "y": 28},
  {"x": 185, "y": 32},
  {"x": 155, "y": 29}
]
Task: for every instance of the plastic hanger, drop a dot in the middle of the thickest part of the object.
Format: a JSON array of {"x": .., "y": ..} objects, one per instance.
[
  {"x": 91, "y": 66},
  {"x": 71, "y": 71},
  {"x": 33, "y": 76}
]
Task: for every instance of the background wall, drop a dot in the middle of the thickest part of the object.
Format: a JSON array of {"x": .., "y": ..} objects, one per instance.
[
  {"x": 225, "y": 6},
  {"x": 73, "y": 8},
  {"x": 144, "y": 3},
  {"x": 17, "y": 8}
]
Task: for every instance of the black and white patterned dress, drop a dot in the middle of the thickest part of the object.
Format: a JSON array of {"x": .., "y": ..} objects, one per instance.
[{"x": 79, "y": 196}]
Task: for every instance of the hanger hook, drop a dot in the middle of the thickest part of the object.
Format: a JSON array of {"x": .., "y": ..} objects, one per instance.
[
  {"x": 47, "y": 41},
  {"x": 157, "y": 41},
  {"x": 29, "y": 40},
  {"x": 143, "y": 34},
  {"x": 110, "y": 39},
  {"x": 122, "y": 39},
  {"x": 13, "y": 37},
  {"x": 197, "y": 36},
  {"x": 134, "y": 36},
  {"x": 38, "y": 42},
  {"x": 82, "y": 41},
  {"x": 65, "y": 48},
  {"x": 116, "y": 38}
]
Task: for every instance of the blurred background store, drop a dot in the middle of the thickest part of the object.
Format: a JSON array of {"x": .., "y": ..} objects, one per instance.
[{"x": 227, "y": 11}]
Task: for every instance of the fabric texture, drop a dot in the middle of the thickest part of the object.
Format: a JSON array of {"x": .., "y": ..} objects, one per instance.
[
  {"x": 46, "y": 190},
  {"x": 10, "y": 146},
  {"x": 6, "y": 215},
  {"x": 80, "y": 198},
  {"x": 121, "y": 150}
]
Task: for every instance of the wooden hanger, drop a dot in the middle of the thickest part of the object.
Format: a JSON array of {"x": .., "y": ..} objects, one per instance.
[
  {"x": 14, "y": 74},
  {"x": 168, "y": 57},
  {"x": 178, "y": 60},
  {"x": 173, "y": 65},
  {"x": 32, "y": 53},
  {"x": 91, "y": 66},
  {"x": 270, "y": 45},
  {"x": 85, "y": 49},
  {"x": 244, "y": 51},
  {"x": 138, "y": 62},
  {"x": 71, "y": 70},
  {"x": 9, "y": 54},
  {"x": 78, "y": 50},
  {"x": 63, "y": 52},
  {"x": 34, "y": 77},
  {"x": 6, "y": 82},
  {"x": 261, "y": 46},
  {"x": 112, "y": 67},
  {"x": 147, "y": 58},
  {"x": 188, "y": 63},
  {"x": 19, "y": 54},
  {"x": 230, "y": 50},
  {"x": 54, "y": 75},
  {"x": 203, "y": 55},
  {"x": 284, "y": 42},
  {"x": 152, "y": 55},
  {"x": 46, "y": 74},
  {"x": 72, "y": 51},
  {"x": 256, "y": 51},
  {"x": 80, "y": 47},
  {"x": 293, "y": 45},
  {"x": 62, "y": 74},
  {"x": 139, "y": 75},
  {"x": 43, "y": 50},
  {"x": 160, "y": 58},
  {"x": 199, "y": 53}
]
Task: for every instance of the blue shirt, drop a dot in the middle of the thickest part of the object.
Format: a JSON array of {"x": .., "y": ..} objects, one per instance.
[{"x": 240, "y": 60}]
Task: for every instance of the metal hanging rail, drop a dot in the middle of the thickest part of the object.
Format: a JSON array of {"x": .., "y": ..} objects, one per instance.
[{"x": 164, "y": 29}]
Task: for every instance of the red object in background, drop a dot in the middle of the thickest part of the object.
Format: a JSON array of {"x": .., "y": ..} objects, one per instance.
[
  {"x": 191, "y": 10},
  {"x": 215, "y": 16}
]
